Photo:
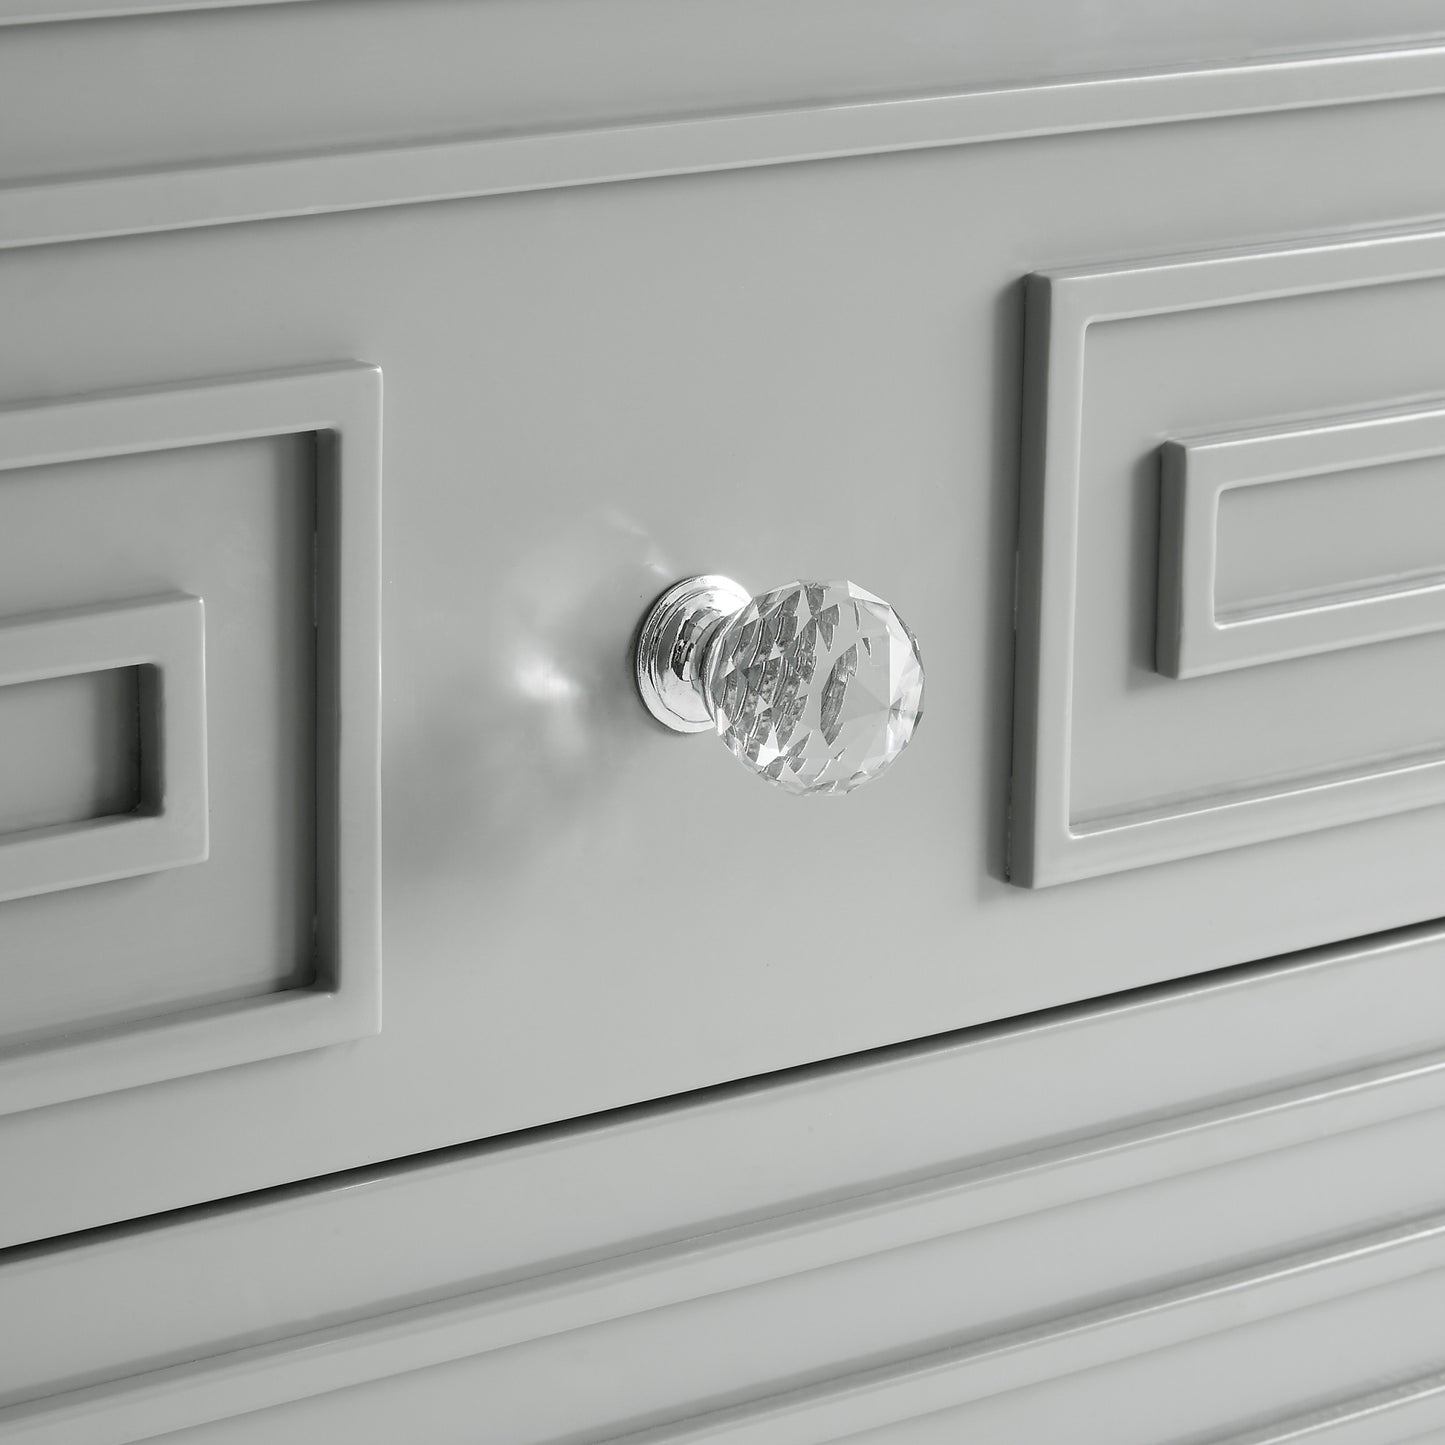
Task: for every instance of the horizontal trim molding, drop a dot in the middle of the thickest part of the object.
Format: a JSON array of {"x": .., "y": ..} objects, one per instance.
[
  {"x": 874, "y": 1399},
  {"x": 630, "y": 1282},
  {"x": 1398, "y": 1413},
  {"x": 227, "y": 192},
  {"x": 45, "y": 12}
]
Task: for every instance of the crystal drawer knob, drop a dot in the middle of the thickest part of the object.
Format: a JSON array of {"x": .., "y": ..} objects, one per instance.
[{"x": 817, "y": 686}]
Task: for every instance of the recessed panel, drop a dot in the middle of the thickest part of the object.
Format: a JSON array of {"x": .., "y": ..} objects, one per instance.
[
  {"x": 72, "y": 749},
  {"x": 1370, "y": 528},
  {"x": 162, "y": 820}
]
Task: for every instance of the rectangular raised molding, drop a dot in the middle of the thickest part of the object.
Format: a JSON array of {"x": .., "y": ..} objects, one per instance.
[
  {"x": 1195, "y": 635},
  {"x": 1046, "y": 845},
  {"x": 165, "y": 635},
  {"x": 341, "y": 404}
]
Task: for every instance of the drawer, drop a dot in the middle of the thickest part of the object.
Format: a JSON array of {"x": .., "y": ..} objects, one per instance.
[
  {"x": 1260, "y": 1251},
  {"x": 421, "y": 430}
]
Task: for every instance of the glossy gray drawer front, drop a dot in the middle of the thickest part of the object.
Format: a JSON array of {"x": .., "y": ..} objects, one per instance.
[{"x": 772, "y": 345}]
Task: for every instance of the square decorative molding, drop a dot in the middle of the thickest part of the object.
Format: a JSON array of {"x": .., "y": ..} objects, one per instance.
[
  {"x": 341, "y": 406},
  {"x": 1195, "y": 635},
  {"x": 1046, "y": 845},
  {"x": 165, "y": 636}
]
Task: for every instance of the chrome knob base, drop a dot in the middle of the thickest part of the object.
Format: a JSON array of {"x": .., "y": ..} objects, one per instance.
[{"x": 672, "y": 647}]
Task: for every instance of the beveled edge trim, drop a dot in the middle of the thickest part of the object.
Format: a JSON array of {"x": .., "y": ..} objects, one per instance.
[
  {"x": 341, "y": 400},
  {"x": 1194, "y": 637},
  {"x": 225, "y": 192},
  {"x": 945, "y": 1379},
  {"x": 322, "y": 1361},
  {"x": 789, "y": 1243},
  {"x": 1046, "y": 845},
  {"x": 1395, "y": 1413},
  {"x": 49, "y": 12}
]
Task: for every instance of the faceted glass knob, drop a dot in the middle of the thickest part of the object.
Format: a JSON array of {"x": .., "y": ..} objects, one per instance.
[{"x": 817, "y": 686}]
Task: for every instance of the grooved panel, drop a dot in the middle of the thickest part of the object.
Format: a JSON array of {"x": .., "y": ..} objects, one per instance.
[{"x": 884, "y": 1274}]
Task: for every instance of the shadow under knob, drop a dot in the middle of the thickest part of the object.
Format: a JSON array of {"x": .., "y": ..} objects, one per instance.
[{"x": 816, "y": 686}]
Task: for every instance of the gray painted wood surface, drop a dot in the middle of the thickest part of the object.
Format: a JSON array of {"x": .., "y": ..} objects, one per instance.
[
  {"x": 715, "y": 296},
  {"x": 865, "y": 1241}
]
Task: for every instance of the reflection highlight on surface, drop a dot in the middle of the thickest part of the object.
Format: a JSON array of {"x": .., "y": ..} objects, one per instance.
[{"x": 518, "y": 715}]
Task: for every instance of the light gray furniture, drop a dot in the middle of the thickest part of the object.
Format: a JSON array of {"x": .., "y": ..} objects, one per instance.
[{"x": 403, "y": 1036}]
